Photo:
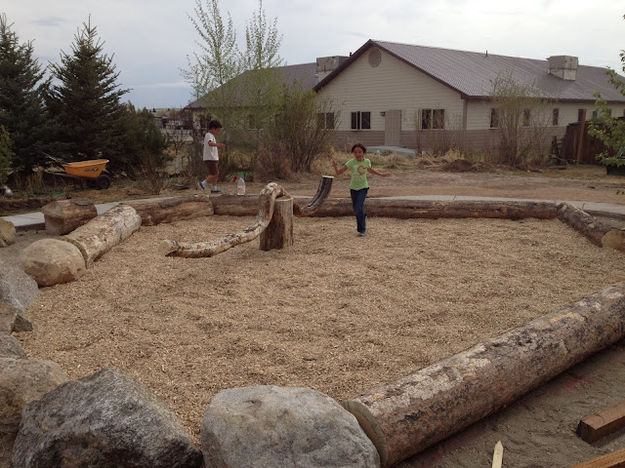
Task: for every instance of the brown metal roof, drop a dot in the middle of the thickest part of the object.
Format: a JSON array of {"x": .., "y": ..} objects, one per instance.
[
  {"x": 472, "y": 73},
  {"x": 304, "y": 73}
]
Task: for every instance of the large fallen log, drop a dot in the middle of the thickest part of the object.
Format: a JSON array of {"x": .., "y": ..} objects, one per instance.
[
  {"x": 400, "y": 208},
  {"x": 405, "y": 416},
  {"x": 597, "y": 232},
  {"x": 104, "y": 232},
  {"x": 265, "y": 207},
  {"x": 167, "y": 210}
]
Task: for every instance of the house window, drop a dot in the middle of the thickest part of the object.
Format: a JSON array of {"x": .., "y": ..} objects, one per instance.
[
  {"x": 432, "y": 118},
  {"x": 594, "y": 114},
  {"x": 426, "y": 119},
  {"x": 581, "y": 115},
  {"x": 555, "y": 115},
  {"x": 526, "y": 117},
  {"x": 494, "y": 118},
  {"x": 361, "y": 120},
  {"x": 325, "y": 120}
]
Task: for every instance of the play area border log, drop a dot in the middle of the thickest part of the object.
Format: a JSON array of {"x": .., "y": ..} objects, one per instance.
[{"x": 407, "y": 415}]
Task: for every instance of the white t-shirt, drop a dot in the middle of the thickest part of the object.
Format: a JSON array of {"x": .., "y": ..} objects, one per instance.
[{"x": 210, "y": 152}]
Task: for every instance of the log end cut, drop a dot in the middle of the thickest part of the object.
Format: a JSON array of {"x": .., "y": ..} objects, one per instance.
[
  {"x": 370, "y": 426},
  {"x": 167, "y": 247},
  {"x": 614, "y": 239}
]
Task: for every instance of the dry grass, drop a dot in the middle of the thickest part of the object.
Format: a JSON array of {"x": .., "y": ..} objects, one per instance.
[{"x": 336, "y": 313}]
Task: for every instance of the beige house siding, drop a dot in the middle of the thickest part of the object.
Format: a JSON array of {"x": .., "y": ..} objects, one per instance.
[{"x": 398, "y": 86}]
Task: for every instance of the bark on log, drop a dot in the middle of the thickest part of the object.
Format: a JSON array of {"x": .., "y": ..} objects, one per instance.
[
  {"x": 597, "y": 232},
  {"x": 63, "y": 216},
  {"x": 235, "y": 205},
  {"x": 172, "y": 209},
  {"x": 265, "y": 206},
  {"x": 404, "y": 417},
  {"x": 395, "y": 208},
  {"x": 104, "y": 232},
  {"x": 279, "y": 232}
]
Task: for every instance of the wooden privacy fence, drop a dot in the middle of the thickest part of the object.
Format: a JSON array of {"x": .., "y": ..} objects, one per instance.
[{"x": 580, "y": 147}]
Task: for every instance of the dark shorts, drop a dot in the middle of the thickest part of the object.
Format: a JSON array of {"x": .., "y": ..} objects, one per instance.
[{"x": 212, "y": 167}]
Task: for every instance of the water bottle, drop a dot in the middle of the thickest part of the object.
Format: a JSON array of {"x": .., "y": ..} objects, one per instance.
[{"x": 240, "y": 185}]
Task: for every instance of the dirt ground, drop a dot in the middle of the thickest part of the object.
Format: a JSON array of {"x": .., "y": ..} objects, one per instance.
[{"x": 339, "y": 313}]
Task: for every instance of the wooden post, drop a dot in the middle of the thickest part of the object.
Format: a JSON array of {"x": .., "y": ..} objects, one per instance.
[
  {"x": 279, "y": 232},
  {"x": 580, "y": 140}
]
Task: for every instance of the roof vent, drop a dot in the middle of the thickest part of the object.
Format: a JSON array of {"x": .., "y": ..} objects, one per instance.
[
  {"x": 563, "y": 66},
  {"x": 326, "y": 65}
]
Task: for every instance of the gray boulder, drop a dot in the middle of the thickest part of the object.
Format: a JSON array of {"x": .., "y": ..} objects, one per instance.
[
  {"x": 11, "y": 348},
  {"x": 275, "y": 426},
  {"x": 22, "y": 322},
  {"x": 8, "y": 314},
  {"x": 22, "y": 381},
  {"x": 16, "y": 287},
  {"x": 7, "y": 233},
  {"x": 53, "y": 261},
  {"x": 105, "y": 419}
]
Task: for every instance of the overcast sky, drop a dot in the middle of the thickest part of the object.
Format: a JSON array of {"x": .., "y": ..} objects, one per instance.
[{"x": 151, "y": 39}]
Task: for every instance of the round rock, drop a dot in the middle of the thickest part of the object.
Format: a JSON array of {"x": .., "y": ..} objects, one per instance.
[
  {"x": 282, "y": 426},
  {"x": 53, "y": 261}
]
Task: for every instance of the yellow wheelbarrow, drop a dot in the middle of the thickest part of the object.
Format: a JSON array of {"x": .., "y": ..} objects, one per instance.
[{"x": 92, "y": 171}]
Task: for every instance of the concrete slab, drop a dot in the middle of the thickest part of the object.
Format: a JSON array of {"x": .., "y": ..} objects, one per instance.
[{"x": 392, "y": 149}]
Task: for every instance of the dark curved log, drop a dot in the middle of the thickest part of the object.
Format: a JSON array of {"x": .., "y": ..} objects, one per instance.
[
  {"x": 597, "y": 232},
  {"x": 323, "y": 190},
  {"x": 265, "y": 204}
]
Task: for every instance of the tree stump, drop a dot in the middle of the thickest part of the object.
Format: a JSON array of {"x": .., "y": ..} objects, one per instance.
[
  {"x": 279, "y": 232},
  {"x": 63, "y": 216}
]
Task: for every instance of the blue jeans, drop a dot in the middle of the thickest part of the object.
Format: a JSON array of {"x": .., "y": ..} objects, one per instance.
[{"x": 358, "y": 204}]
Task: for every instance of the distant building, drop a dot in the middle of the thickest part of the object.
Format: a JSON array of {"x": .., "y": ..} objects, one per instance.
[{"x": 388, "y": 93}]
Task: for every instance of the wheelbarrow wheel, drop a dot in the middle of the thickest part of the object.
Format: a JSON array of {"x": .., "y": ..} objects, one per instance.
[{"x": 102, "y": 182}]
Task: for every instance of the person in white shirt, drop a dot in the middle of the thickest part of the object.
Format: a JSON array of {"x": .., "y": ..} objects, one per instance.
[{"x": 210, "y": 156}]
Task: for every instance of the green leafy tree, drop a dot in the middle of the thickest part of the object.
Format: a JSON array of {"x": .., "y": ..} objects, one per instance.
[
  {"x": 297, "y": 128},
  {"x": 262, "y": 83},
  {"x": 139, "y": 143},
  {"x": 85, "y": 104},
  {"x": 6, "y": 155},
  {"x": 236, "y": 87},
  {"x": 21, "y": 97},
  {"x": 610, "y": 130}
]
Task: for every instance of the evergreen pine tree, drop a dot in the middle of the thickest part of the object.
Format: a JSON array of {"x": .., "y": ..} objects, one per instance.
[
  {"x": 85, "y": 104},
  {"x": 21, "y": 102}
]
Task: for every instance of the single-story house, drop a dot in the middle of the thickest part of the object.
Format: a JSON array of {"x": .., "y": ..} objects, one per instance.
[
  {"x": 415, "y": 96},
  {"x": 420, "y": 97}
]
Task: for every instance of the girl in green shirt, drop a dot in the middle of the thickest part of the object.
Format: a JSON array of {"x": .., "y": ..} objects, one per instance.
[{"x": 358, "y": 185}]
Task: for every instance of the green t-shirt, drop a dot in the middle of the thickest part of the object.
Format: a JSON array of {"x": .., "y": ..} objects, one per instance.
[{"x": 358, "y": 171}]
